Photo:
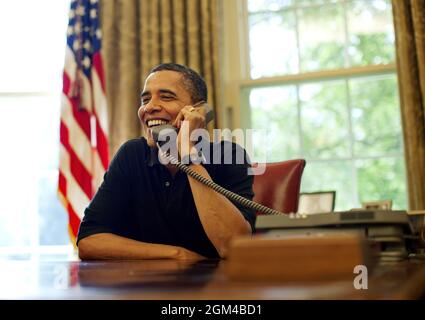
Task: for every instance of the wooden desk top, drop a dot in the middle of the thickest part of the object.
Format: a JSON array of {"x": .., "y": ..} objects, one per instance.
[{"x": 170, "y": 279}]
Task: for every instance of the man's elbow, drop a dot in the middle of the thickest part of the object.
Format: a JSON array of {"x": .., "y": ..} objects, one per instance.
[
  {"x": 244, "y": 231},
  {"x": 85, "y": 250}
]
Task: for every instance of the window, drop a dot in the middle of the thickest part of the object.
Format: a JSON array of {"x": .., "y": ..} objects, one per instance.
[
  {"x": 31, "y": 64},
  {"x": 320, "y": 76}
]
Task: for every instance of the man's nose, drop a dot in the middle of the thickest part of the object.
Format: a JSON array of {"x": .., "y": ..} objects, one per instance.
[{"x": 152, "y": 106}]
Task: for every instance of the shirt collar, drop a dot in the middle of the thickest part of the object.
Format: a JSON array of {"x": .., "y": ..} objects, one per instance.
[{"x": 152, "y": 158}]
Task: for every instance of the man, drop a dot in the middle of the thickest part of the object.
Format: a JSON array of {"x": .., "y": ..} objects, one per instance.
[{"x": 147, "y": 210}]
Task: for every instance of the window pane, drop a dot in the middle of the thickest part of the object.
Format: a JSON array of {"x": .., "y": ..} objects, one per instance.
[
  {"x": 332, "y": 175},
  {"x": 275, "y": 5},
  {"x": 382, "y": 179},
  {"x": 33, "y": 40},
  {"x": 322, "y": 37},
  {"x": 275, "y": 53},
  {"x": 268, "y": 5},
  {"x": 29, "y": 128},
  {"x": 371, "y": 32},
  {"x": 275, "y": 111},
  {"x": 18, "y": 169},
  {"x": 53, "y": 219},
  {"x": 325, "y": 120},
  {"x": 376, "y": 116},
  {"x": 315, "y": 2}
]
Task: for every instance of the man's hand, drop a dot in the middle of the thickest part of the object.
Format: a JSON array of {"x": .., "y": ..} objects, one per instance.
[
  {"x": 185, "y": 254},
  {"x": 189, "y": 119}
]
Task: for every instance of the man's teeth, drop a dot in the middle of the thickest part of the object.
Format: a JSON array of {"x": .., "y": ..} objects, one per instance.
[{"x": 153, "y": 123}]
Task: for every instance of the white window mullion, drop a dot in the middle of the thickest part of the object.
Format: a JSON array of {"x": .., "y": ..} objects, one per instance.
[{"x": 355, "y": 197}]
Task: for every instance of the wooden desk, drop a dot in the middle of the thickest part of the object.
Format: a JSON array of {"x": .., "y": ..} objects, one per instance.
[{"x": 169, "y": 279}]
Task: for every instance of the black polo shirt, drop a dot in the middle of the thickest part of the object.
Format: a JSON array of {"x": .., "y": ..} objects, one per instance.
[{"x": 139, "y": 198}]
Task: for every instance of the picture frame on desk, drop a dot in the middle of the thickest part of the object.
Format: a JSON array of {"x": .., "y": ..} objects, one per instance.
[
  {"x": 385, "y": 205},
  {"x": 316, "y": 202}
]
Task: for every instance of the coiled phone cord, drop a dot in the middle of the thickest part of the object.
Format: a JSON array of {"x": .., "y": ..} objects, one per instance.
[{"x": 228, "y": 194}]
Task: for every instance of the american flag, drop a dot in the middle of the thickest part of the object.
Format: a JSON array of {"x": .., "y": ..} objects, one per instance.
[{"x": 84, "y": 153}]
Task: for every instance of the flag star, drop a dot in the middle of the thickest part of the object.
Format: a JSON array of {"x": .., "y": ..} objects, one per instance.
[
  {"x": 93, "y": 1},
  {"x": 80, "y": 10},
  {"x": 98, "y": 33},
  {"x": 71, "y": 14},
  {"x": 70, "y": 31},
  {"x": 93, "y": 13},
  {"x": 86, "y": 62},
  {"x": 77, "y": 27},
  {"x": 87, "y": 45},
  {"x": 86, "y": 29},
  {"x": 76, "y": 45}
]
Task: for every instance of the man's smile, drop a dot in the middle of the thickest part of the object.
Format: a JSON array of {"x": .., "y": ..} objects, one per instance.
[{"x": 155, "y": 122}]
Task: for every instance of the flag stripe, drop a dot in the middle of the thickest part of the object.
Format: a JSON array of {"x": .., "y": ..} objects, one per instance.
[
  {"x": 70, "y": 70},
  {"x": 102, "y": 121},
  {"x": 97, "y": 63},
  {"x": 77, "y": 139},
  {"x": 102, "y": 145},
  {"x": 62, "y": 184},
  {"x": 81, "y": 116},
  {"x": 74, "y": 193},
  {"x": 76, "y": 167},
  {"x": 74, "y": 219}
]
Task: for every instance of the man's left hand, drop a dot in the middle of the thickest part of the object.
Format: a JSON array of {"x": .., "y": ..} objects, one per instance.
[{"x": 189, "y": 119}]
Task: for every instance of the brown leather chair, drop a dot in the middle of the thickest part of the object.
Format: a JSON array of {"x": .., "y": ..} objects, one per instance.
[{"x": 279, "y": 186}]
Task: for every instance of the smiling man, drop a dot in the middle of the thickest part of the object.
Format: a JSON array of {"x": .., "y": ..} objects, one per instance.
[{"x": 147, "y": 210}]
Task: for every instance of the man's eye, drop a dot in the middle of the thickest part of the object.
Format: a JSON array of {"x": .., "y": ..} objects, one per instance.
[
  {"x": 145, "y": 101},
  {"x": 167, "y": 97}
]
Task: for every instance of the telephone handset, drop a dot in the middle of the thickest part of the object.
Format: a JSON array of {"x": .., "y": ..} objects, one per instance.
[
  {"x": 164, "y": 130},
  {"x": 161, "y": 132}
]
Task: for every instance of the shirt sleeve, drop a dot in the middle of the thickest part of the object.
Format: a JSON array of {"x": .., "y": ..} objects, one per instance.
[
  {"x": 105, "y": 212},
  {"x": 235, "y": 177}
]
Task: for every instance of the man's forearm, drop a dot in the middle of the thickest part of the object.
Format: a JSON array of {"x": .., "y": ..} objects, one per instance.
[
  {"x": 220, "y": 218},
  {"x": 107, "y": 246}
]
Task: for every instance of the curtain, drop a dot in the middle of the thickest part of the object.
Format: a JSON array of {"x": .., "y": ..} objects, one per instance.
[
  {"x": 409, "y": 23},
  {"x": 140, "y": 34}
]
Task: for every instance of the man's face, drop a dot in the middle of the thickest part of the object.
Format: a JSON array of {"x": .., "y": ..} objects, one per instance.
[{"x": 163, "y": 96}]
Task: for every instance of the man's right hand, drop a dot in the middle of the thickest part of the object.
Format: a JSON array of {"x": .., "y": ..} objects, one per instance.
[{"x": 185, "y": 254}]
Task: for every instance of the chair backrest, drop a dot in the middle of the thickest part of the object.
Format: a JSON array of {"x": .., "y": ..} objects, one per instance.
[{"x": 279, "y": 186}]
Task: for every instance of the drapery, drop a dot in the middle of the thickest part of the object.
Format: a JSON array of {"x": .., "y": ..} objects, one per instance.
[
  {"x": 139, "y": 34},
  {"x": 409, "y": 23}
]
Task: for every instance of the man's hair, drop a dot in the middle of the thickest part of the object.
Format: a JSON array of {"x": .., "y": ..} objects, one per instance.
[{"x": 193, "y": 82}]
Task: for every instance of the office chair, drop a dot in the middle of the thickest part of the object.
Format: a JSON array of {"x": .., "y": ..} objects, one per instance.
[{"x": 279, "y": 186}]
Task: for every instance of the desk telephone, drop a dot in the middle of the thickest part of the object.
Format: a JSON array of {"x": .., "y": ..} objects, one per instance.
[{"x": 394, "y": 234}]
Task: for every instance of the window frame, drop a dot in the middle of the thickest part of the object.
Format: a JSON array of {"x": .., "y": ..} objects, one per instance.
[{"x": 236, "y": 78}]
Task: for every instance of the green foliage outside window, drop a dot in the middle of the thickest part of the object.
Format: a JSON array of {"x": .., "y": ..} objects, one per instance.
[{"x": 347, "y": 128}]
